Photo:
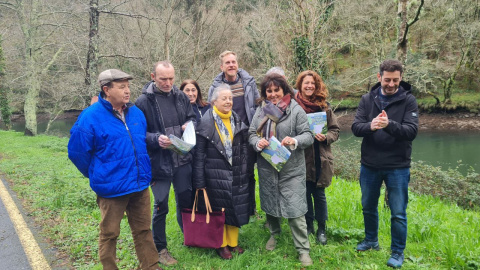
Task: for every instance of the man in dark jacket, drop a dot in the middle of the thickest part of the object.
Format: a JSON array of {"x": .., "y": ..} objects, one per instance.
[
  {"x": 245, "y": 95},
  {"x": 387, "y": 119},
  {"x": 107, "y": 145},
  {"x": 167, "y": 110}
]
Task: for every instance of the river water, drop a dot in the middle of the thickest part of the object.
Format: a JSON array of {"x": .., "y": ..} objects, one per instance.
[
  {"x": 446, "y": 150},
  {"x": 434, "y": 148}
]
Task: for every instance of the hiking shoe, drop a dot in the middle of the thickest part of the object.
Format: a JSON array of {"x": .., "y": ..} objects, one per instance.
[
  {"x": 271, "y": 243},
  {"x": 165, "y": 258},
  {"x": 396, "y": 260},
  {"x": 321, "y": 237},
  {"x": 305, "y": 259},
  {"x": 367, "y": 245}
]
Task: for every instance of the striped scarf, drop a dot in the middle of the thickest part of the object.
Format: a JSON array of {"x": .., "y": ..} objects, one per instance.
[{"x": 271, "y": 116}]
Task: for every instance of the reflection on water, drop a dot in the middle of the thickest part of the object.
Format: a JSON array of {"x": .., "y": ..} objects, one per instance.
[
  {"x": 59, "y": 128},
  {"x": 438, "y": 149}
]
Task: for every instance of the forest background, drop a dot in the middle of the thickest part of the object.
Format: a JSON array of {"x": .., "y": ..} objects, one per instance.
[{"x": 51, "y": 51}]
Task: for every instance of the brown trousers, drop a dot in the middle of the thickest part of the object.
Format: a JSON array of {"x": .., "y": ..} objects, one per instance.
[{"x": 138, "y": 208}]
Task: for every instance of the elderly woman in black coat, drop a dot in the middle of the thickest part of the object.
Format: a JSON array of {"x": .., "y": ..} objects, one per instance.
[{"x": 220, "y": 166}]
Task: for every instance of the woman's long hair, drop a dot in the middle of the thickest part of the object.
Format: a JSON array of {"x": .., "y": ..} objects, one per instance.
[
  {"x": 320, "y": 94},
  {"x": 199, "y": 99}
]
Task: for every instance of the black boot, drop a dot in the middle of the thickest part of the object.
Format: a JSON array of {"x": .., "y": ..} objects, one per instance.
[
  {"x": 321, "y": 233},
  {"x": 310, "y": 228}
]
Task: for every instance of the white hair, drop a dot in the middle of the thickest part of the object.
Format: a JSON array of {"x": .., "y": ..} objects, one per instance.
[
  {"x": 217, "y": 90},
  {"x": 276, "y": 70}
]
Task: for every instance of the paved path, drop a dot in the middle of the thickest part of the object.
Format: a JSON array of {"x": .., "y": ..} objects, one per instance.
[{"x": 18, "y": 247}]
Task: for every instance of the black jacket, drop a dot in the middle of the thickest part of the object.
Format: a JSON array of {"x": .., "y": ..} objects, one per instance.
[
  {"x": 164, "y": 160},
  {"x": 226, "y": 185},
  {"x": 390, "y": 147}
]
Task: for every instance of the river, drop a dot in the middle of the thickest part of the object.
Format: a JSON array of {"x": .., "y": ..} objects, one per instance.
[{"x": 434, "y": 148}]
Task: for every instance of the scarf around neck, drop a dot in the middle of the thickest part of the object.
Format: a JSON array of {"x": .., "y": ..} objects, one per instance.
[
  {"x": 223, "y": 130},
  {"x": 272, "y": 114},
  {"x": 308, "y": 107}
]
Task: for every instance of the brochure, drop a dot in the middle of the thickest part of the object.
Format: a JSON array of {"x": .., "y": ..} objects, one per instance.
[
  {"x": 318, "y": 122},
  {"x": 186, "y": 143},
  {"x": 276, "y": 154}
]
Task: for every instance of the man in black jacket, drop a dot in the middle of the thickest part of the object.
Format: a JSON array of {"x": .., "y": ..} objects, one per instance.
[
  {"x": 387, "y": 119},
  {"x": 167, "y": 110}
]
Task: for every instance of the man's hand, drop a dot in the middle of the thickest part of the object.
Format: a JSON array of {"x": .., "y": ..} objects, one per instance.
[
  {"x": 164, "y": 141},
  {"x": 379, "y": 122}
]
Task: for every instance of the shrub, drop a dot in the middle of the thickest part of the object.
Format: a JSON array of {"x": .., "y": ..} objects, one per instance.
[{"x": 448, "y": 184}]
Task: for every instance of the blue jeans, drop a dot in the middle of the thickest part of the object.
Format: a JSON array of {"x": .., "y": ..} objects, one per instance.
[{"x": 396, "y": 181}]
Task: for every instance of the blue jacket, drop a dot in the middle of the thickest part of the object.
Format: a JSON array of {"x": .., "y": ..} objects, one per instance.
[{"x": 111, "y": 153}]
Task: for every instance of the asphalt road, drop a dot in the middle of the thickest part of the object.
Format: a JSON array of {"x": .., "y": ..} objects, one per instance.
[{"x": 12, "y": 255}]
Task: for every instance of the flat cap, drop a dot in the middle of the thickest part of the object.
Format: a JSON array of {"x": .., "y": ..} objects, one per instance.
[{"x": 111, "y": 75}]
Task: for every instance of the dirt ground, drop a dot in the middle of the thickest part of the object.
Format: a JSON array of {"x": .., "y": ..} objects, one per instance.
[{"x": 431, "y": 122}]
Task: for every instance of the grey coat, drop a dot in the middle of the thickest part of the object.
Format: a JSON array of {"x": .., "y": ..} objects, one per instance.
[{"x": 283, "y": 194}]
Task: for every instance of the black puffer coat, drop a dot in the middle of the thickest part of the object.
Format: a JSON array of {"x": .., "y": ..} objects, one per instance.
[{"x": 226, "y": 185}]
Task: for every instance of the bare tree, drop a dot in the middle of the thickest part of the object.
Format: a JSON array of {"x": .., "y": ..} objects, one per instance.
[
  {"x": 5, "y": 111},
  {"x": 36, "y": 32},
  {"x": 404, "y": 25}
]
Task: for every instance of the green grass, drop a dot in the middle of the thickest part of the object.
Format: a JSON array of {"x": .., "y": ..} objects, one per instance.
[{"x": 441, "y": 235}]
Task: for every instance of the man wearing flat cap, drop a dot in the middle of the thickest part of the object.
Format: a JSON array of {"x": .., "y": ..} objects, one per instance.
[{"x": 107, "y": 145}]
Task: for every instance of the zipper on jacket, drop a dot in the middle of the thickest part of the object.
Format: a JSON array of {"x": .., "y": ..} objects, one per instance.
[
  {"x": 135, "y": 153},
  {"x": 133, "y": 145}
]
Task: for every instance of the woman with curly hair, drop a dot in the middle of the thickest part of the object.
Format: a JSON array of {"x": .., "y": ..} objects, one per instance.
[{"x": 312, "y": 97}]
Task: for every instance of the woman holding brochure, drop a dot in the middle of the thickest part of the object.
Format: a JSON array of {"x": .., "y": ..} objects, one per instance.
[
  {"x": 282, "y": 191},
  {"x": 312, "y": 97},
  {"x": 220, "y": 166}
]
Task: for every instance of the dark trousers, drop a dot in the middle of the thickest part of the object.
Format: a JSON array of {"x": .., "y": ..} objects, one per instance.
[
  {"x": 182, "y": 185},
  {"x": 138, "y": 208},
  {"x": 318, "y": 209},
  {"x": 251, "y": 160}
]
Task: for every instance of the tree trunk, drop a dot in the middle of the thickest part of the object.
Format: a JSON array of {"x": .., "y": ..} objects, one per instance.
[
  {"x": 29, "y": 29},
  {"x": 31, "y": 99},
  {"x": 91, "y": 68},
  {"x": 4, "y": 92},
  {"x": 401, "y": 37}
]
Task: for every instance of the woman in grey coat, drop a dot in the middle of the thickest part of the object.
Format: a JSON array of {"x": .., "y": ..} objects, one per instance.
[{"x": 282, "y": 194}]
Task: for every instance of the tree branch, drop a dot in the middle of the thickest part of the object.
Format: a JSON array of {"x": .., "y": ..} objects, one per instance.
[
  {"x": 119, "y": 55},
  {"x": 54, "y": 58},
  {"x": 7, "y": 5},
  {"x": 137, "y": 16},
  {"x": 417, "y": 15}
]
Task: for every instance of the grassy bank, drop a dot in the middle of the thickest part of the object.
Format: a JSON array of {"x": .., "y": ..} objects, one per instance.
[{"x": 441, "y": 235}]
